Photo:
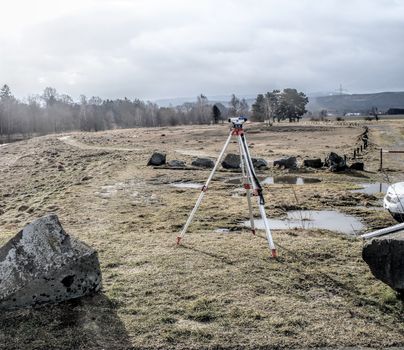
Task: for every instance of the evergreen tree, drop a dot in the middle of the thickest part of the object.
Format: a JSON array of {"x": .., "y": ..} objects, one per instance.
[{"x": 259, "y": 108}]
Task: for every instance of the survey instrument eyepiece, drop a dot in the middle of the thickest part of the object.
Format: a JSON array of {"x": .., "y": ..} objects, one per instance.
[{"x": 238, "y": 122}]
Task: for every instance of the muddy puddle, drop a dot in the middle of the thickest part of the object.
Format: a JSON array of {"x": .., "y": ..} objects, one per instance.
[
  {"x": 372, "y": 188},
  {"x": 313, "y": 219},
  {"x": 284, "y": 180},
  {"x": 222, "y": 230},
  {"x": 186, "y": 185}
]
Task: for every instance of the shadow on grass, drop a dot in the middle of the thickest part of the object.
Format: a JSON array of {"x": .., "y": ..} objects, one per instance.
[
  {"x": 346, "y": 289},
  {"x": 210, "y": 254},
  {"x": 86, "y": 323}
]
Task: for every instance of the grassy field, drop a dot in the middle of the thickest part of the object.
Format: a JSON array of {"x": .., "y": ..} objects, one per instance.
[{"x": 216, "y": 290}]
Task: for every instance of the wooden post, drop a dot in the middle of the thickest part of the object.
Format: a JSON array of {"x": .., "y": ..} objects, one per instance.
[
  {"x": 354, "y": 154},
  {"x": 381, "y": 159}
]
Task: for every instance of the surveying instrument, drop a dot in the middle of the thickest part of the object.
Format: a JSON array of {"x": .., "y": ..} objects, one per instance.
[{"x": 249, "y": 178}]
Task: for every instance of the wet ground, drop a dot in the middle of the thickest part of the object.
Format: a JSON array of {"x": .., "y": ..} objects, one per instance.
[
  {"x": 285, "y": 179},
  {"x": 372, "y": 188},
  {"x": 187, "y": 185},
  {"x": 313, "y": 219}
]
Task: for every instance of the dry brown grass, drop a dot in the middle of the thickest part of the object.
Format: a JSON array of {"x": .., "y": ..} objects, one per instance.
[{"x": 216, "y": 291}]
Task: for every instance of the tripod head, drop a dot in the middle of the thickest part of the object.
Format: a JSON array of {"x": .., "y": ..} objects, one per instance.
[{"x": 238, "y": 122}]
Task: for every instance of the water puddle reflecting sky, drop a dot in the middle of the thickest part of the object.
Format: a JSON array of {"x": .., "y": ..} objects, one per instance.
[{"x": 313, "y": 219}]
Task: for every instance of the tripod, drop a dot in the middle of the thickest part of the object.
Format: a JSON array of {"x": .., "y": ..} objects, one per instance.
[{"x": 250, "y": 182}]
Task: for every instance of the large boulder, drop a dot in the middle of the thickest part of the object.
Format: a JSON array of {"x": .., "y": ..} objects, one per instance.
[
  {"x": 43, "y": 264},
  {"x": 385, "y": 257},
  {"x": 157, "y": 159},
  {"x": 315, "y": 163},
  {"x": 287, "y": 163},
  {"x": 203, "y": 163},
  {"x": 335, "y": 163},
  {"x": 231, "y": 161},
  {"x": 259, "y": 163}
]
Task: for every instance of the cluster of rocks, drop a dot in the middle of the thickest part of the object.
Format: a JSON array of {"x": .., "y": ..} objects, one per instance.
[
  {"x": 43, "y": 264},
  {"x": 336, "y": 163},
  {"x": 231, "y": 161},
  {"x": 333, "y": 162},
  {"x": 158, "y": 159}
]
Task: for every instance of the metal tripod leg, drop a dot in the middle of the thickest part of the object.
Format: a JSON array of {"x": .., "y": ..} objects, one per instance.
[
  {"x": 251, "y": 173},
  {"x": 203, "y": 190},
  {"x": 247, "y": 185}
]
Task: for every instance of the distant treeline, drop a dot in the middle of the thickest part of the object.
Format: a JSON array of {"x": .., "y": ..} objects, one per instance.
[{"x": 52, "y": 112}]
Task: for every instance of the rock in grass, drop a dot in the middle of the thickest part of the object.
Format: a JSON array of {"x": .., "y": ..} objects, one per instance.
[
  {"x": 231, "y": 161},
  {"x": 335, "y": 163},
  {"x": 259, "y": 163},
  {"x": 43, "y": 264},
  {"x": 315, "y": 163},
  {"x": 157, "y": 159},
  {"x": 286, "y": 163},
  {"x": 176, "y": 163},
  {"x": 203, "y": 163},
  {"x": 357, "y": 166},
  {"x": 385, "y": 257}
]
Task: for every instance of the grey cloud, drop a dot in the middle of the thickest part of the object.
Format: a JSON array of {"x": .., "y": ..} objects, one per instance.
[{"x": 152, "y": 49}]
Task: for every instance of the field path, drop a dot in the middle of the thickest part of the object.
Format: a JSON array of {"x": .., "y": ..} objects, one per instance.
[
  {"x": 10, "y": 156},
  {"x": 72, "y": 142},
  {"x": 194, "y": 153}
]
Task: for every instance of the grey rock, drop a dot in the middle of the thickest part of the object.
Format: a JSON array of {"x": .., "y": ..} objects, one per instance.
[
  {"x": 287, "y": 163},
  {"x": 43, "y": 264},
  {"x": 176, "y": 163},
  {"x": 385, "y": 257},
  {"x": 335, "y": 162},
  {"x": 203, "y": 163},
  {"x": 315, "y": 163},
  {"x": 157, "y": 159},
  {"x": 357, "y": 166},
  {"x": 259, "y": 163},
  {"x": 231, "y": 161}
]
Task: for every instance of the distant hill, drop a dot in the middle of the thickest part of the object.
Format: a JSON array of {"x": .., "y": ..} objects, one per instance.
[
  {"x": 332, "y": 103},
  {"x": 224, "y": 99},
  {"x": 357, "y": 102}
]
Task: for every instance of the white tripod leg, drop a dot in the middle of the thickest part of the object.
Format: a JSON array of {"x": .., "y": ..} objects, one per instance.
[
  {"x": 267, "y": 229},
  {"x": 247, "y": 157},
  {"x": 247, "y": 185},
  {"x": 203, "y": 190}
]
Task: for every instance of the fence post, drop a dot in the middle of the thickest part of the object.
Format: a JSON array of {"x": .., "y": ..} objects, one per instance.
[{"x": 381, "y": 159}]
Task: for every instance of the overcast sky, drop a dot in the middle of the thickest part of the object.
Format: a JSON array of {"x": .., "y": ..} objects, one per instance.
[{"x": 166, "y": 48}]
